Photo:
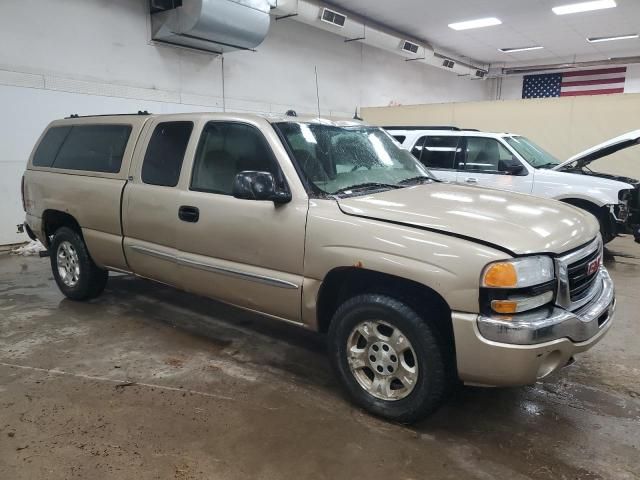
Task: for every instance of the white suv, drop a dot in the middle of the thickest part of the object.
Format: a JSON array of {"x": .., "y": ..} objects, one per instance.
[{"x": 512, "y": 162}]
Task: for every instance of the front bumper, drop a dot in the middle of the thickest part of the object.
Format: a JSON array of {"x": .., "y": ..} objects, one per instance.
[
  {"x": 500, "y": 352},
  {"x": 551, "y": 323}
]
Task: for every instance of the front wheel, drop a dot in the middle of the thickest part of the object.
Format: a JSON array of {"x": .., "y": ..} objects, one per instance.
[
  {"x": 388, "y": 358},
  {"x": 77, "y": 276}
]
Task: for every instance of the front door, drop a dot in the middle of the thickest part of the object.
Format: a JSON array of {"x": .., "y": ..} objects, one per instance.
[
  {"x": 246, "y": 252},
  {"x": 488, "y": 163}
]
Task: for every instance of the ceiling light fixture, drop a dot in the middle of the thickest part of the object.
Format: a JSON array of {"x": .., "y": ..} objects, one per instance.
[
  {"x": 479, "y": 23},
  {"x": 584, "y": 7},
  {"x": 610, "y": 39},
  {"x": 520, "y": 49}
]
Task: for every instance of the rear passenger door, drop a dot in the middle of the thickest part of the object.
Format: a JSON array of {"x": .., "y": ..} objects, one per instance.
[
  {"x": 151, "y": 201},
  {"x": 245, "y": 252},
  {"x": 486, "y": 162},
  {"x": 440, "y": 154}
]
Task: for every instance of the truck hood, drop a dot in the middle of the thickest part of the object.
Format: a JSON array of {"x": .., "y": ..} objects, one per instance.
[
  {"x": 602, "y": 150},
  {"x": 517, "y": 223}
]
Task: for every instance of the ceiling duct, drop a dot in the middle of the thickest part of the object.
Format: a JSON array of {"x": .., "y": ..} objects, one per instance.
[
  {"x": 356, "y": 29},
  {"x": 216, "y": 26},
  {"x": 520, "y": 70}
]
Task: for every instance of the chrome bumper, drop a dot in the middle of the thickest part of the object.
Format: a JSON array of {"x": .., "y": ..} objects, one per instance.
[{"x": 554, "y": 322}]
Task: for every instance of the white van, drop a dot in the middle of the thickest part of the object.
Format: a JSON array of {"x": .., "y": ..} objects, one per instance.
[{"x": 513, "y": 162}]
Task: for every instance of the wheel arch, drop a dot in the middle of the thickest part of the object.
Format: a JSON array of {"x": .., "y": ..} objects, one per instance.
[
  {"x": 52, "y": 220},
  {"x": 342, "y": 283}
]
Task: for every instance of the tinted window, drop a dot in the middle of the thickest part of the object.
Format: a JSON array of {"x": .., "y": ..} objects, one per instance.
[
  {"x": 400, "y": 138},
  {"x": 49, "y": 146},
  {"x": 437, "y": 151},
  {"x": 226, "y": 149},
  {"x": 96, "y": 148},
  {"x": 486, "y": 155},
  {"x": 165, "y": 153}
]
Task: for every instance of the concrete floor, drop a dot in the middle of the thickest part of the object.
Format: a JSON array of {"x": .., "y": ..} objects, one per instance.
[{"x": 147, "y": 382}]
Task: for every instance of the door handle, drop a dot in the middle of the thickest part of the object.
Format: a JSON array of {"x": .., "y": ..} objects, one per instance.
[
  {"x": 471, "y": 180},
  {"x": 187, "y": 213}
]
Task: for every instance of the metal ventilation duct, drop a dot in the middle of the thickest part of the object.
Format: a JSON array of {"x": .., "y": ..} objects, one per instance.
[
  {"x": 216, "y": 26},
  {"x": 356, "y": 29}
]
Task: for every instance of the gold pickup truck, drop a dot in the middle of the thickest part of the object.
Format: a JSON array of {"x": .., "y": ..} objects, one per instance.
[{"x": 418, "y": 284}]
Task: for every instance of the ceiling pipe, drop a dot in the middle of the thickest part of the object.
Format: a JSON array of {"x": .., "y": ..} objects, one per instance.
[
  {"x": 564, "y": 66},
  {"x": 354, "y": 28}
]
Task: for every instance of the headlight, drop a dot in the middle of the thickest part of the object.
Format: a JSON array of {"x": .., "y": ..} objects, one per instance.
[
  {"x": 518, "y": 285},
  {"x": 518, "y": 273}
]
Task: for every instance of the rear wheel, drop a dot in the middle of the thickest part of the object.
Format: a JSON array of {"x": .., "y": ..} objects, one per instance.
[
  {"x": 77, "y": 276},
  {"x": 389, "y": 359}
]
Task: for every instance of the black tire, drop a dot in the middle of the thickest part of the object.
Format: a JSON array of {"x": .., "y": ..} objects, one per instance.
[
  {"x": 607, "y": 228},
  {"x": 91, "y": 279},
  {"x": 433, "y": 377},
  {"x": 607, "y": 225}
]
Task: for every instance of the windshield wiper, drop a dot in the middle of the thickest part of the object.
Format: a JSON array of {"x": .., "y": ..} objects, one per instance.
[
  {"x": 548, "y": 165},
  {"x": 365, "y": 186},
  {"x": 417, "y": 180}
]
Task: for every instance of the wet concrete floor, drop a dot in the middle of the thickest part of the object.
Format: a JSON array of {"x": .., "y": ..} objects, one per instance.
[{"x": 147, "y": 382}]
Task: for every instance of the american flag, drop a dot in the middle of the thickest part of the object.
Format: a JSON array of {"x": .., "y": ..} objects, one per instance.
[{"x": 571, "y": 84}]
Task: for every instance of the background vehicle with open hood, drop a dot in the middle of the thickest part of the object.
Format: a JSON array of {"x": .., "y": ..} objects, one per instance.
[{"x": 513, "y": 162}]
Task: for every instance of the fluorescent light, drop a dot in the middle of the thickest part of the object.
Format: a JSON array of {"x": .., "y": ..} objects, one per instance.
[
  {"x": 609, "y": 39},
  {"x": 520, "y": 49},
  {"x": 584, "y": 7},
  {"x": 479, "y": 23}
]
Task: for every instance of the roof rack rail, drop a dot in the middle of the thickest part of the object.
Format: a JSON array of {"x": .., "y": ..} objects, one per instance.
[
  {"x": 423, "y": 127},
  {"x": 140, "y": 112}
]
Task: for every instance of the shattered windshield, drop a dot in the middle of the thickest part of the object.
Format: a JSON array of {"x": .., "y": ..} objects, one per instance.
[
  {"x": 336, "y": 159},
  {"x": 532, "y": 153}
]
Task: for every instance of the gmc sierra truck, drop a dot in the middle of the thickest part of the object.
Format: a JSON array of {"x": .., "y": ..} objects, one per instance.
[{"x": 417, "y": 283}]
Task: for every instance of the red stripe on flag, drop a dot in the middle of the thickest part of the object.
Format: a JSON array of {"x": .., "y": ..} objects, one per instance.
[
  {"x": 603, "y": 81},
  {"x": 602, "y": 71},
  {"x": 604, "y": 91}
]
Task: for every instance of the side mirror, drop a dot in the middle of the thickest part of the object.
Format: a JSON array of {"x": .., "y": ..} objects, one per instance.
[
  {"x": 511, "y": 167},
  {"x": 250, "y": 185}
]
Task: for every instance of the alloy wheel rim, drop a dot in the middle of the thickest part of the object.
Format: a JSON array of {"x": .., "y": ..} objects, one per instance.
[
  {"x": 382, "y": 360},
  {"x": 68, "y": 264}
]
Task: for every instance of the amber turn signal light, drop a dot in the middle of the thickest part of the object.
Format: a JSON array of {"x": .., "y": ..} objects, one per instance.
[{"x": 501, "y": 275}]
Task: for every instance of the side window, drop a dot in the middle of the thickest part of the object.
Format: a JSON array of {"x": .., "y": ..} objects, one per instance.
[
  {"x": 486, "y": 155},
  {"x": 50, "y": 146},
  {"x": 438, "y": 152},
  {"x": 165, "y": 153},
  {"x": 95, "y": 148},
  {"x": 226, "y": 149},
  {"x": 400, "y": 138}
]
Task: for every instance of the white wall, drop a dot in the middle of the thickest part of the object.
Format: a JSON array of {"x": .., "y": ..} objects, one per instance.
[
  {"x": 94, "y": 56},
  {"x": 512, "y": 85}
]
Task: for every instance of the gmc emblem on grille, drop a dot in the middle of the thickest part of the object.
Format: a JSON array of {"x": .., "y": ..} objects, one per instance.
[{"x": 593, "y": 266}]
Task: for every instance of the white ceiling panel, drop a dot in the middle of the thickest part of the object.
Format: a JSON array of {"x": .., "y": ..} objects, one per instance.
[{"x": 525, "y": 23}]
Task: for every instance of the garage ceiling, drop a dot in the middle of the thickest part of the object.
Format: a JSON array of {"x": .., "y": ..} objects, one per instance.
[{"x": 524, "y": 23}]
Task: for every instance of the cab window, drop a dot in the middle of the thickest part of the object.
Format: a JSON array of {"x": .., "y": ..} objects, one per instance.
[
  {"x": 488, "y": 155},
  {"x": 226, "y": 149},
  {"x": 437, "y": 152},
  {"x": 165, "y": 153}
]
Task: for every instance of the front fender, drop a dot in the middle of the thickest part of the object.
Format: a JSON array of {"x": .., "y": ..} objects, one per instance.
[
  {"x": 449, "y": 265},
  {"x": 565, "y": 185}
]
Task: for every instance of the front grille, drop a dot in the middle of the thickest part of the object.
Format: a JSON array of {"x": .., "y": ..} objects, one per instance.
[{"x": 580, "y": 280}]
